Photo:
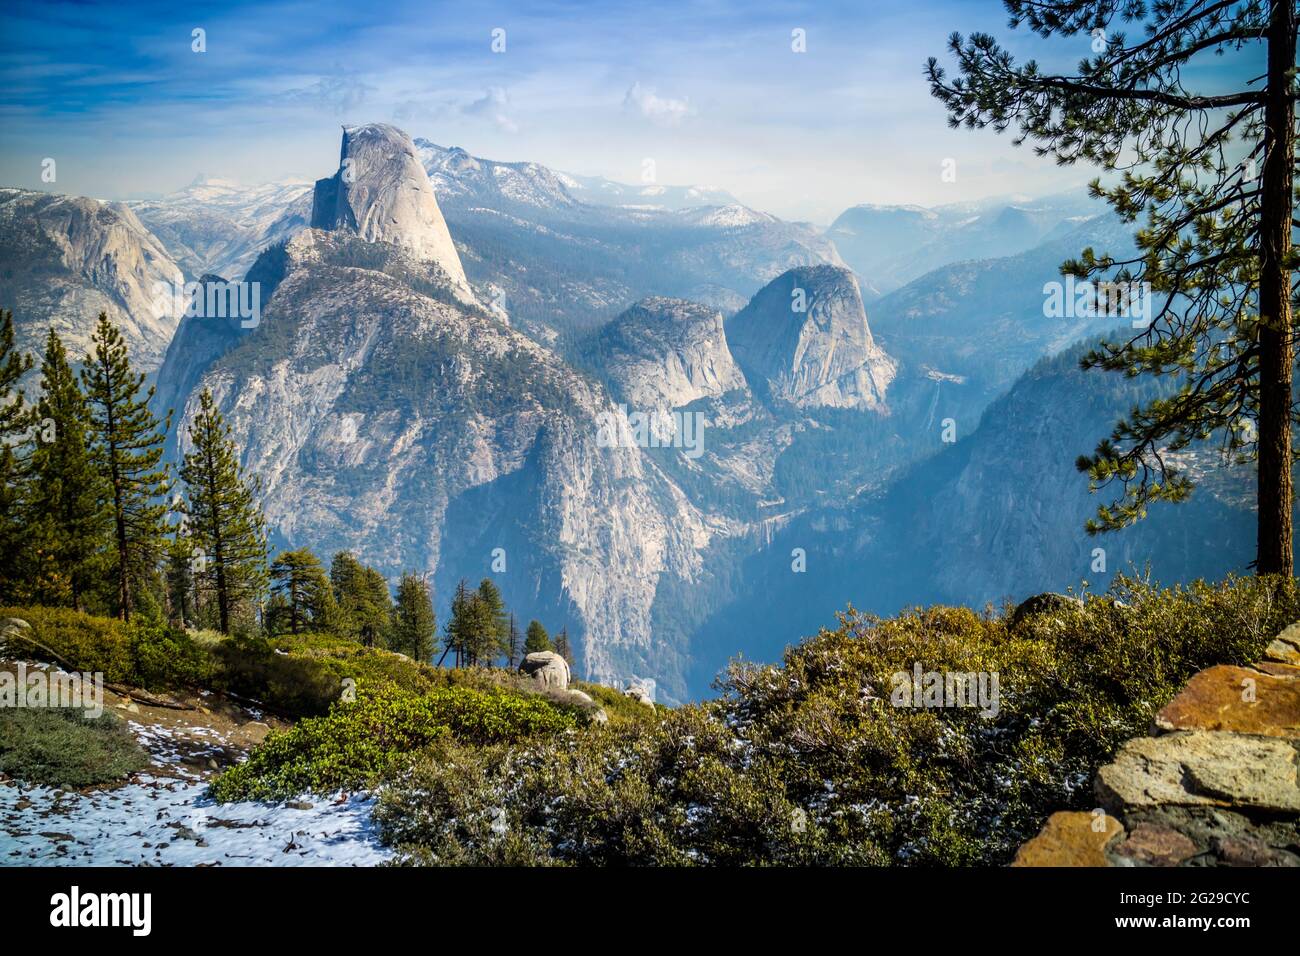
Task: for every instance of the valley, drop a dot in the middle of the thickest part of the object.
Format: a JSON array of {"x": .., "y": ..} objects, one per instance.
[{"x": 446, "y": 341}]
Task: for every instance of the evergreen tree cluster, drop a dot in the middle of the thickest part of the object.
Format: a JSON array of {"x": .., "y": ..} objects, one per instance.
[{"x": 93, "y": 518}]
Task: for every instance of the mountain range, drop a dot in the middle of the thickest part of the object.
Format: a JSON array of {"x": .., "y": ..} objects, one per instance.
[{"x": 446, "y": 344}]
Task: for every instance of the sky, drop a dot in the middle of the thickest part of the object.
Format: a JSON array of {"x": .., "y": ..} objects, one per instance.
[{"x": 712, "y": 91}]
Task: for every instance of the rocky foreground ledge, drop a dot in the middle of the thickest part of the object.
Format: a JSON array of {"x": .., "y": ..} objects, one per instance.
[{"x": 1215, "y": 785}]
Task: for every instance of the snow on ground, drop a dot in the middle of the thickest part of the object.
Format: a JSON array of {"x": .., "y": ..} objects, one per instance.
[
  {"x": 161, "y": 821},
  {"x": 163, "y": 816}
]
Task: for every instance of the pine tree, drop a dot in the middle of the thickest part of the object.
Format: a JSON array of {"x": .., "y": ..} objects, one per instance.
[
  {"x": 127, "y": 448},
  {"x": 415, "y": 626},
  {"x": 180, "y": 580},
  {"x": 468, "y": 624},
  {"x": 494, "y": 637},
  {"x": 362, "y": 598},
  {"x": 15, "y": 419},
  {"x": 345, "y": 580},
  {"x": 514, "y": 642},
  {"x": 452, "y": 642},
  {"x": 303, "y": 591},
  {"x": 1216, "y": 246},
  {"x": 537, "y": 639},
  {"x": 223, "y": 519},
  {"x": 562, "y": 646},
  {"x": 65, "y": 511},
  {"x": 376, "y": 609}
]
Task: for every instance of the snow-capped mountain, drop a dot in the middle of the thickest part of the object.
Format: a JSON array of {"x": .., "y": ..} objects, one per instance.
[
  {"x": 218, "y": 227},
  {"x": 387, "y": 414},
  {"x": 607, "y": 192},
  {"x": 533, "y": 239}
]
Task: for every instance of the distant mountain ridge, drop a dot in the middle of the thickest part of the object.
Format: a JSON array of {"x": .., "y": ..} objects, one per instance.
[
  {"x": 218, "y": 227},
  {"x": 68, "y": 258}
]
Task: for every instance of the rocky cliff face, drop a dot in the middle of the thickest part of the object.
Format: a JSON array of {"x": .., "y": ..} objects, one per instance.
[
  {"x": 561, "y": 263},
  {"x": 69, "y": 258},
  {"x": 666, "y": 353},
  {"x": 385, "y": 414},
  {"x": 805, "y": 337},
  {"x": 381, "y": 193}
]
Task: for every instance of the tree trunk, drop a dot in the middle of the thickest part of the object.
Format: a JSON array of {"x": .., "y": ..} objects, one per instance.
[{"x": 1277, "y": 349}]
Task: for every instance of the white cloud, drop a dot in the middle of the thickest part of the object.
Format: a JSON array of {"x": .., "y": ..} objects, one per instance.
[
  {"x": 663, "y": 110},
  {"x": 493, "y": 105},
  {"x": 338, "y": 94}
]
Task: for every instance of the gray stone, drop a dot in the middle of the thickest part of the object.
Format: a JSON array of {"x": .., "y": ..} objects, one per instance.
[
  {"x": 1046, "y": 603},
  {"x": 640, "y": 696},
  {"x": 1285, "y": 648},
  {"x": 1202, "y": 768},
  {"x": 547, "y": 668},
  {"x": 382, "y": 194},
  {"x": 822, "y": 356}
]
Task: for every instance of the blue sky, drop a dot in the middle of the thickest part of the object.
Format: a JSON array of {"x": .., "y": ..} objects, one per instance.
[{"x": 710, "y": 90}]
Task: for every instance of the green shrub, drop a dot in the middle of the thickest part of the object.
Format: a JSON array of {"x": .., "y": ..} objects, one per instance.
[
  {"x": 166, "y": 658},
  {"x": 84, "y": 643},
  {"x": 618, "y": 706},
  {"x": 809, "y": 761},
  {"x": 60, "y": 747},
  {"x": 357, "y": 743},
  {"x": 286, "y": 684},
  {"x": 143, "y": 653}
]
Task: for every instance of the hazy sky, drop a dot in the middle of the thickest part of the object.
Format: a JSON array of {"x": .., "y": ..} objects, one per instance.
[{"x": 712, "y": 91}]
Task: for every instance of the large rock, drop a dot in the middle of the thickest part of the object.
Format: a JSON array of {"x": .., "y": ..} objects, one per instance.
[
  {"x": 666, "y": 353},
  {"x": 1285, "y": 648},
  {"x": 1150, "y": 844},
  {"x": 547, "y": 668},
  {"x": 1071, "y": 838},
  {"x": 1238, "y": 699},
  {"x": 382, "y": 194},
  {"x": 638, "y": 694},
  {"x": 1202, "y": 768},
  {"x": 1047, "y": 603},
  {"x": 820, "y": 355}
]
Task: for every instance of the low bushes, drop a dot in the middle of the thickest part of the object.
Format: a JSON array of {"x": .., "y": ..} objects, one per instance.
[
  {"x": 141, "y": 653},
  {"x": 812, "y": 762},
  {"x": 358, "y": 742},
  {"x": 58, "y": 747},
  {"x": 84, "y": 642}
]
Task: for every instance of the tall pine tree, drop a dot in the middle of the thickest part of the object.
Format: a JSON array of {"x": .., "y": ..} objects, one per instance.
[
  {"x": 303, "y": 590},
  {"x": 494, "y": 639},
  {"x": 415, "y": 626},
  {"x": 537, "y": 639},
  {"x": 179, "y": 576},
  {"x": 15, "y": 419},
  {"x": 66, "y": 511},
  {"x": 364, "y": 605},
  {"x": 223, "y": 519},
  {"x": 127, "y": 448},
  {"x": 514, "y": 644},
  {"x": 467, "y": 630},
  {"x": 1212, "y": 172},
  {"x": 562, "y": 645}
]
